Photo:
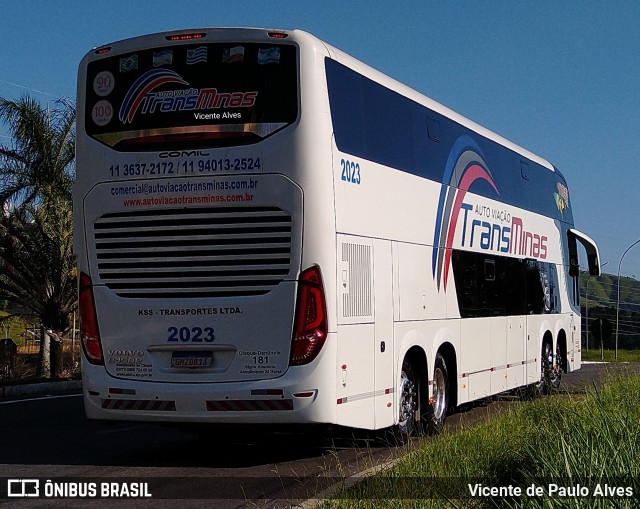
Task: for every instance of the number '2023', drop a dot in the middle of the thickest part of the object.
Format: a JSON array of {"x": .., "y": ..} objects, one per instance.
[{"x": 350, "y": 171}]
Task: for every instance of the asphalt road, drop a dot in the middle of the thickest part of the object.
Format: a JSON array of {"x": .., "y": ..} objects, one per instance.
[{"x": 49, "y": 438}]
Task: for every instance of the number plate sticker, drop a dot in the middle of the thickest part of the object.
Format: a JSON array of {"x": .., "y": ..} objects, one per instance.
[{"x": 191, "y": 360}]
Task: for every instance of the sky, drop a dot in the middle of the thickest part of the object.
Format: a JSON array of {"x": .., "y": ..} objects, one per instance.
[{"x": 561, "y": 79}]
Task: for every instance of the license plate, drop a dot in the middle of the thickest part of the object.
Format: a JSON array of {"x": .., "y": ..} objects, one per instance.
[{"x": 191, "y": 360}]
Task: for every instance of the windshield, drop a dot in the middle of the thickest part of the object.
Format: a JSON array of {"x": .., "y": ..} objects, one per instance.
[{"x": 191, "y": 96}]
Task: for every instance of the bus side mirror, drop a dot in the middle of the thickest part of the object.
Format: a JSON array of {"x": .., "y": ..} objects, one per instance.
[
  {"x": 574, "y": 270},
  {"x": 574, "y": 266},
  {"x": 591, "y": 248},
  {"x": 594, "y": 265}
]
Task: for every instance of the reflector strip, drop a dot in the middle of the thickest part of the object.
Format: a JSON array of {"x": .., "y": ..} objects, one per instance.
[
  {"x": 495, "y": 368},
  {"x": 139, "y": 405},
  {"x": 250, "y": 405},
  {"x": 307, "y": 394},
  {"x": 357, "y": 397}
]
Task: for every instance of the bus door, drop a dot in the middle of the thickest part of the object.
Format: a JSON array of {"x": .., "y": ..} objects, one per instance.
[
  {"x": 383, "y": 347},
  {"x": 365, "y": 381}
]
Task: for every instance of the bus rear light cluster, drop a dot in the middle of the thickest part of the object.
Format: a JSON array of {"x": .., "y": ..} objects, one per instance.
[
  {"x": 89, "y": 332},
  {"x": 310, "y": 327}
]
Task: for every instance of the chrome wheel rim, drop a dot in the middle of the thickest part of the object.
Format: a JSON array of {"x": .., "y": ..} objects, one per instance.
[
  {"x": 547, "y": 361},
  {"x": 439, "y": 395},
  {"x": 556, "y": 370},
  {"x": 408, "y": 400}
]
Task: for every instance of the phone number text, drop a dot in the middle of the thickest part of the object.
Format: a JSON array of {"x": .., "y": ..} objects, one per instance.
[{"x": 190, "y": 167}]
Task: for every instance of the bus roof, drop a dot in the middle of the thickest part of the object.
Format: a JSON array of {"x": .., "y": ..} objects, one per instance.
[{"x": 302, "y": 37}]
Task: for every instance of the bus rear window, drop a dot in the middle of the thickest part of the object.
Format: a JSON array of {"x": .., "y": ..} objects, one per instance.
[{"x": 191, "y": 96}]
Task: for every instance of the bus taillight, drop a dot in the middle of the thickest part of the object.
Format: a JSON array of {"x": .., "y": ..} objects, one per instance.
[
  {"x": 310, "y": 328},
  {"x": 89, "y": 332}
]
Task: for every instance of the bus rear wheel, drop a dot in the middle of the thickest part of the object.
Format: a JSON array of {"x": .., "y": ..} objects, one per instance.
[
  {"x": 409, "y": 412},
  {"x": 546, "y": 369},
  {"x": 556, "y": 373},
  {"x": 439, "y": 402}
]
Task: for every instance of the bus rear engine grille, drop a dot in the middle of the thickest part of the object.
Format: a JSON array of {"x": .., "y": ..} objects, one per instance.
[{"x": 200, "y": 252}]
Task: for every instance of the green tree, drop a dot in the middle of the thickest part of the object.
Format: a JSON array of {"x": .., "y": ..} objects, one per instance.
[
  {"x": 40, "y": 163},
  {"x": 37, "y": 267}
]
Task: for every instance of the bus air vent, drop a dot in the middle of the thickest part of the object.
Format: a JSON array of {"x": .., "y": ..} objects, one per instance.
[{"x": 194, "y": 252}]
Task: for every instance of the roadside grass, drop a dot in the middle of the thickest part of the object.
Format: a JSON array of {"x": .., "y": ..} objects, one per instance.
[
  {"x": 13, "y": 327},
  {"x": 564, "y": 441},
  {"x": 594, "y": 354}
]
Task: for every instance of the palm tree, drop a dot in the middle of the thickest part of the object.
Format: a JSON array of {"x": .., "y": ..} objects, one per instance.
[
  {"x": 37, "y": 267},
  {"x": 38, "y": 270},
  {"x": 40, "y": 164}
]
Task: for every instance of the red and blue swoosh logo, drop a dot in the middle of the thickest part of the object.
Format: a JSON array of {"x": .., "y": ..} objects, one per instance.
[
  {"x": 149, "y": 81},
  {"x": 465, "y": 165}
]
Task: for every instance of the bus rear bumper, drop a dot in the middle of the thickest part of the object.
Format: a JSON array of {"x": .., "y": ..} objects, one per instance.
[{"x": 285, "y": 400}]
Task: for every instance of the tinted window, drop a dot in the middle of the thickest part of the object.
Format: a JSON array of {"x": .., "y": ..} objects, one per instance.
[
  {"x": 191, "y": 96},
  {"x": 375, "y": 123},
  {"x": 489, "y": 285}
]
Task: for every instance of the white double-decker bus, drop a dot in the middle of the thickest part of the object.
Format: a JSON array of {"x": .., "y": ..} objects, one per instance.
[{"x": 270, "y": 231}]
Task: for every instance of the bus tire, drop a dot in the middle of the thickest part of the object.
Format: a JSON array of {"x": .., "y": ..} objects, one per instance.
[
  {"x": 439, "y": 403},
  {"x": 546, "y": 368},
  {"x": 556, "y": 370},
  {"x": 409, "y": 407}
]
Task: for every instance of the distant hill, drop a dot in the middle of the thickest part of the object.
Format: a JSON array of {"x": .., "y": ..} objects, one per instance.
[
  {"x": 602, "y": 298},
  {"x": 603, "y": 291}
]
